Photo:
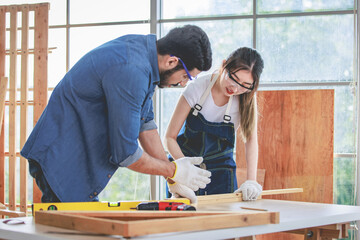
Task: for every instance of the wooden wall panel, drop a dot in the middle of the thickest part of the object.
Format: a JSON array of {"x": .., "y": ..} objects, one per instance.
[{"x": 296, "y": 144}]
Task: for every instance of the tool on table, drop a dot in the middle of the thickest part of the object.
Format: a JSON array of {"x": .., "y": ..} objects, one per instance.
[
  {"x": 255, "y": 209},
  {"x": 169, "y": 206},
  {"x": 95, "y": 206},
  {"x": 13, "y": 221}
]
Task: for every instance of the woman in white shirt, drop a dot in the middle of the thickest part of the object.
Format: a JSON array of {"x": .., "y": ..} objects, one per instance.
[{"x": 205, "y": 121}]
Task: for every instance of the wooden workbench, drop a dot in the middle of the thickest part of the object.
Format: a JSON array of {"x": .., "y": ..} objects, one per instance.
[{"x": 293, "y": 215}]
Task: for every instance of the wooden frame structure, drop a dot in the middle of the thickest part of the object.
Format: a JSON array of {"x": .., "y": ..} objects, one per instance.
[
  {"x": 139, "y": 223},
  {"x": 40, "y": 52}
]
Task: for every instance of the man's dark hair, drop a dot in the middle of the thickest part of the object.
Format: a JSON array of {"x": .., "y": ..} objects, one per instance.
[{"x": 190, "y": 43}]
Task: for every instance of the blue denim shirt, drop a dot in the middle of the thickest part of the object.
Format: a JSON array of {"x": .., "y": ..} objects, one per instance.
[{"x": 92, "y": 122}]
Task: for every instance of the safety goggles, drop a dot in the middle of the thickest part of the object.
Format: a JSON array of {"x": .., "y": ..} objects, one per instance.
[
  {"x": 186, "y": 70},
  {"x": 249, "y": 87}
]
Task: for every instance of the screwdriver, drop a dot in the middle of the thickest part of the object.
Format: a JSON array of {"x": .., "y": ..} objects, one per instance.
[{"x": 169, "y": 206}]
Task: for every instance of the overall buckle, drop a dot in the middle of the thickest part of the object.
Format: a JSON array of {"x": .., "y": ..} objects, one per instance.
[
  {"x": 227, "y": 118},
  {"x": 198, "y": 107}
]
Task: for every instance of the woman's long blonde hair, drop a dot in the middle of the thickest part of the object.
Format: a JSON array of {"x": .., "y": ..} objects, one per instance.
[{"x": 250, "y": 60}]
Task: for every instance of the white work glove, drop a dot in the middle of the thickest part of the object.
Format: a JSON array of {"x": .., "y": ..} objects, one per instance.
[
  {"x": 189, "y": 175},
  {"x": 250, "y": 189},
  {"x": 178, "y": 190}
]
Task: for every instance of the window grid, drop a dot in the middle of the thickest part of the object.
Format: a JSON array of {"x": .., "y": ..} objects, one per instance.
[{"x": 155, "y": 27}]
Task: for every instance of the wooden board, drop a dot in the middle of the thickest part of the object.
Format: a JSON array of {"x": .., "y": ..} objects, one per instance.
[
  {"x": 3, "y": 90},
  {"x": 41, "y": 46},
  {"x": 12, "y": 108},
  {"x": 2, "y": 74},
  {"x": 295, "y": 144},
  {"x": 237, "y": 197},
  {"x": 24, "y": 105},
  {"x": 138, "y": 223}
]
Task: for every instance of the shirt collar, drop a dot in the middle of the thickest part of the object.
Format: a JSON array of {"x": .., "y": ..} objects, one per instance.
[{"x": 151, "y": 42}]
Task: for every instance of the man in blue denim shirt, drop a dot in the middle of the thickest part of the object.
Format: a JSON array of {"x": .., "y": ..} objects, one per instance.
[{"x": 101, "y": 109}]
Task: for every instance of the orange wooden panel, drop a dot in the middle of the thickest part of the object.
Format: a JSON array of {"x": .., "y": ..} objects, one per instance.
[
  {"x": 296, "y": 145},
  {"x": 40, "y": 69}
]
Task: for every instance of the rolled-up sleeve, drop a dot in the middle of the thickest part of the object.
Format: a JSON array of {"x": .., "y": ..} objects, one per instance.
[
  {"x": 125, "y": 89},
  {"x": 149, "y": 121},
  {"x": 148, "y": 126}
]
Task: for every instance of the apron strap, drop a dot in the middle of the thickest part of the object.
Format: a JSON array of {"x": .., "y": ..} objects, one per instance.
[
  {"x": 227, "y": 117},
  {"x": 198, "y": 106}
]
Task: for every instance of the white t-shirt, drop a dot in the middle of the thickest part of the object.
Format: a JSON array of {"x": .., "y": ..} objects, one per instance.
[{"x": 210, "y": 110}]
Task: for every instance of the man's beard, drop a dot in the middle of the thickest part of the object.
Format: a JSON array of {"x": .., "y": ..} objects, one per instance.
[{"x": 165, "y": 76}]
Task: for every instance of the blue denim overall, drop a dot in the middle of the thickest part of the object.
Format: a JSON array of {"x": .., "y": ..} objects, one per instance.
[{"x": 214, "y": 141}]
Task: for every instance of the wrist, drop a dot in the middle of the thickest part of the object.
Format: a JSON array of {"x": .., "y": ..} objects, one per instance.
[
  {"x": 171, "y": 171},
  {"x": 174, "y": 168},
  {"x": 170, "y": 182}
]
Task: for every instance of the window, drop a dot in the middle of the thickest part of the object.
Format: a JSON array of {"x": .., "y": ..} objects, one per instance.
[{"x": 305, "y": 45}]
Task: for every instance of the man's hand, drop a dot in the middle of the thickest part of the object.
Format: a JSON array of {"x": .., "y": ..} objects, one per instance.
[
  {"x": 250, "y": 189},
  {"x": 178, "y": 190},
  {"x": 189, "y": 175}
]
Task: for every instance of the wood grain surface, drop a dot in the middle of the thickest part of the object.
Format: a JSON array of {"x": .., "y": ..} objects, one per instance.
[{"x": 296, "y": 135}]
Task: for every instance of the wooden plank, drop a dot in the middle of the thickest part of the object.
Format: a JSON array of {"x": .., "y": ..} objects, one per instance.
[
  {"x": 40, "y": 70},
  {"x": 281, "y": 191},
  {"x": 139, "y": 228},
  {"x": 131, "y": 215},
  {"x": 24, "y": 106},
  {"x": 12, "y": 214},
  {"x": 12, "y": 109},
  {"x": 344, "y": 230},
  {"x": 2, "y": 74},
  {"x": 295, "y": 144},
  {"x": 325, "y": 232},
  {"x": 144, "y": 227},
  {"x": 30, "y": 51},
  {"x": 31, "y": 7},
  {"x": 237, "y": 197},
  {"x": 3, "y": 90}
]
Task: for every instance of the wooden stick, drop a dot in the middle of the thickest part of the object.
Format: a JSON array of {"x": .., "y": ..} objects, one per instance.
[
  {"x": 2, "y": 73},
  {"x": 3, "y": 88},
  {"x": 29, "y": 51},
  {"x": 40, "y": 70},
  {"x": 12, "y": 108},
  {"x": 255, "y": 209},
  {"x": 237, "y": 197},
  {"x": 281, "y": 191},
  {"x": 24, "y": 106},
  {"x": 31, "y": 7},
  {"x": 10, "y": 213}
]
